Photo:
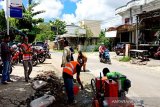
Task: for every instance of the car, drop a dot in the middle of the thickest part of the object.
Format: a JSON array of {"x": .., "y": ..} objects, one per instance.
[
  {"x": 39, "y": 43},
  {"x": 120, "y": 47}
]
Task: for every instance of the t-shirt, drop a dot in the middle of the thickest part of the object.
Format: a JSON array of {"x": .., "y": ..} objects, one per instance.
[{"x": 5, "y": 52}]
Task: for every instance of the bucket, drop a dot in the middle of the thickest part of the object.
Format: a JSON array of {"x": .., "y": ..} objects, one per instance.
[{"x": 75, "y": 89}]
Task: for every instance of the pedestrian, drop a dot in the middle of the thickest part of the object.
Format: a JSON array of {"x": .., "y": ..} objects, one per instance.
[
  {"x": 66, "y": 57},
  {"x": 82, "y": 59},
  {"x": 6, "y": 53},
  {"x": 69, "y": 70},
  {"x": 72, "y": 52},
  {"x": 27, "y": 58}
]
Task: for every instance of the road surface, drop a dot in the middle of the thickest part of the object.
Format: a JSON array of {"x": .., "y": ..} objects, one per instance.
[{"x": 145, "y": 80}]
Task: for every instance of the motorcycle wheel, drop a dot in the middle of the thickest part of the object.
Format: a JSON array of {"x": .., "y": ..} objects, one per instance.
[
  {"x": 48, "y": 56},
  {"x": 34, "y": 62},
  {"x": 42, "y": 59}
]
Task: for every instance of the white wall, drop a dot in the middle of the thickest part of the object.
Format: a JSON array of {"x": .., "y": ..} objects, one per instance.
[
  {"x": 75, "y": 29},
  {"x": 150, "y": 5}
]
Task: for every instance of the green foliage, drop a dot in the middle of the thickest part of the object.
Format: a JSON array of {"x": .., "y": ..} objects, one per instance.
[
  {"x": 125, "y": 59},
  {"x": 45, "y": 32},
  {"x": 2, "y": 20},
  {"x": 106, "y": 41},
  {"x": 27, "y": 22},
  {"x": 59, "y": 26},
  {"x": 89, "y": 33},
  {"x": 96, "y": 48}
]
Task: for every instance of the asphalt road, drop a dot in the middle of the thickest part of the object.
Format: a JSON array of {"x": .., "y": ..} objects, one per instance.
[{"x": 145, "y": 80}]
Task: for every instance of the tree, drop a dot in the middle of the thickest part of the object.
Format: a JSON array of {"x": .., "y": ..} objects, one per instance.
[
  {"x": 3, "y": 24},
  {"x": 58, "y": 27},
  {"x": 27, "y": 22},
  {"x": 89, "y": 33},
  {"x": 45, "y": 32},
  {"x": 105, "y": 40}
]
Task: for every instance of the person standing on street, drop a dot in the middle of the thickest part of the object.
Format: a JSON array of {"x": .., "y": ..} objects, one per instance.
[
  {"x": 82, "y": 59},
  {"x": 66, "y": 54},
  {"x": 69, "y": 70},
  {"x": 72, "y": 52},
  {"x": 27, "y": 58},
  {"x": 6, "y": 59}
]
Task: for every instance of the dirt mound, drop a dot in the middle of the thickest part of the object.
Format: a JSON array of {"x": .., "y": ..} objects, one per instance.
[{"x": 16, "y": 94}]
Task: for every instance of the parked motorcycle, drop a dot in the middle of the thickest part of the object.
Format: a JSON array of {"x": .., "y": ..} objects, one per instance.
[
  {"x": 105, "y": 57},
  {"x": 34, "y": 59},
  {"x": 38, "y": 56},
  {"x": 47, "y": 53}
]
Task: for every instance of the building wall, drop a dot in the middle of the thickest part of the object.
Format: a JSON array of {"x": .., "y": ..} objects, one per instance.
[
  {"x": 75, "y": 30},
  {"x": 144, "y": 5},
  {"x": 93, "y": 25}
]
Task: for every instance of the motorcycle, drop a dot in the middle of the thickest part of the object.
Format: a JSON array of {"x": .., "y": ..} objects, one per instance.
[
  {"x": 41, "y": 55},
  {"x": 34, "y": 59},
  {"x": 105, "y": 57},
  {"x": 47, "y": 53},
  {"x": 38, "y": 56},
  {"x": 16, "y": 57}
]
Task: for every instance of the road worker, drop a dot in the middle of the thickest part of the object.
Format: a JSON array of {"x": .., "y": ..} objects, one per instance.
[
  {"x": 27, "y": 58},
  {"x": 69, "y": 70}
]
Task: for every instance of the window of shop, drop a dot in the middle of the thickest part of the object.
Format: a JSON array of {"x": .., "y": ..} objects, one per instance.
[{"x": 125, "y": 37}]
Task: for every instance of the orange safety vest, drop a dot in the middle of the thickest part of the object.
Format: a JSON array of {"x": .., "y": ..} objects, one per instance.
[
  {"x": 70, "y": 68},
  {"x": 28, "y": 49}
]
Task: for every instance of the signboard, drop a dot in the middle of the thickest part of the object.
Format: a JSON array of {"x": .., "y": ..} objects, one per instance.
[
  {"x": 16, "y": 8},
  {"x": 111, "y": 34}
]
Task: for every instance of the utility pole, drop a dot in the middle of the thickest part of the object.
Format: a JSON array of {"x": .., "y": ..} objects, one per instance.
[
  {"x": 137, "y": 33},
  {"x": 7, "y": 16}
]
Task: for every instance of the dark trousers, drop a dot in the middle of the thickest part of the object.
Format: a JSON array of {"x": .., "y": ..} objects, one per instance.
[
  {"x": 6, "y": 71},
  {"x": 68, "y": 83},
  {"x": 27, "y": 64}
]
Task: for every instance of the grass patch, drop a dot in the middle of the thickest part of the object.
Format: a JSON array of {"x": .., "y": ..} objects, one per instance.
[{"x": 125, "y": 59}]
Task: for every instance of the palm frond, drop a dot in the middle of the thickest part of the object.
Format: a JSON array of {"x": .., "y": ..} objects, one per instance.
[{"x": 38, "y": 12}]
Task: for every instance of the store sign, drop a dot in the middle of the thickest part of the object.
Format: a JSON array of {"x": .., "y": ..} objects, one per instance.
[{"x": 16, "y": 8}]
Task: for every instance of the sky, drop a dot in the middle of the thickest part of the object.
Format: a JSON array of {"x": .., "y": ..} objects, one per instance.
[{"x": 73, "y": 11}]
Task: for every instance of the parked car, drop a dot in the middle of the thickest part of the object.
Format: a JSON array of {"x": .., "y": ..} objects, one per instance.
[
  {"x": 120, "y": 47},
  {"x": 38, "y": 44}
]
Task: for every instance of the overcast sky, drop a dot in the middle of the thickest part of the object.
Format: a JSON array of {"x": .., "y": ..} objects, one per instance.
[{"x": 73, "y": 11}]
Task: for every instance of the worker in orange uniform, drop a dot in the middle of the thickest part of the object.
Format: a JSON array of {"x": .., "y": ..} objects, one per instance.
[
  {"x": 27, "y": 58},
  {"x": 69, "y": 70},
  {"x": 82, "y": 59}
]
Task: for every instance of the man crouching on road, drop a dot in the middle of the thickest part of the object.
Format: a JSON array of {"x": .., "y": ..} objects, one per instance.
[
  {"x": 69, "y": 70},
  {"x": 27, "y": 58}
]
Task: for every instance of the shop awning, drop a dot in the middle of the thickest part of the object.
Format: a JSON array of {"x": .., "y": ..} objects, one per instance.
[{"x": 111, "y": 34}]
